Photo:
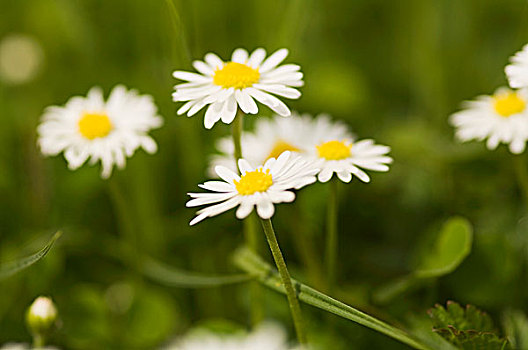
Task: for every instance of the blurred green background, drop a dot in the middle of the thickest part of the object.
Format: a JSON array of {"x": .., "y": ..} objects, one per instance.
[{"x": 392, "y": 70}]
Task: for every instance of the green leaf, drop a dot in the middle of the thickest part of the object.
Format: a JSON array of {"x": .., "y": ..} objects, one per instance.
[
  {"x": 466, "y": 328},
  {"x": 516, "y": 328},
  {"x": 253, "y": 264},
  {"x": 8, "y": 269},
  {"x": 172, "y": 277},
  {"x": 451, "y": 248}
]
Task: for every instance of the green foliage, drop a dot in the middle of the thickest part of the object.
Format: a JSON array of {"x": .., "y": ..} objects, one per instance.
[
  {"x": 251, "y": 263},
  {"x": 467, "y": 328},
  {"x": 173, "y": 277},
  {"x": 452, "y": 246},
  {"x": 516, "y": 328}
]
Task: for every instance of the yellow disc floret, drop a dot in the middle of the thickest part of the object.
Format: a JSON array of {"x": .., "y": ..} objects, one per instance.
[
  {"x": 280, "y": 147},
  {"x": 236, "y": 75},
  {"x": 254, "y": 181},
  {"x": 508, "y": 103},
  {"x": 334, "y": 150},
  {"x": 94, "y": 125}
]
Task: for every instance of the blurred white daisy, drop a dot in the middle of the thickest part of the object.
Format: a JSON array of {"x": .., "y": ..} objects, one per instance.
[
  {"x": 334, "y": 146},
  {"x": 276, "y": 135},
  {"x": 501, "y": 118},
  {"x": 92, "y": 128},
  {"x": 517, "y": 71},
  {"x": 262, "y": 187},
  {"x": 225, "y": 86},
  {"x": 24, "y": 346},
  {"x": 267, "y": 336}
]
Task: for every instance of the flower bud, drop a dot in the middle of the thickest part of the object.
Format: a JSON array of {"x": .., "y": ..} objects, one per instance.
[{"x": 41, "y": 316}]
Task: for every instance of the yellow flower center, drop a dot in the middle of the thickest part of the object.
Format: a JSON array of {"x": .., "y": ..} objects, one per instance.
[
  {"x": 280, "y": 147},
  {"x": 509, "y": 103},
  {"x": 94, "y": 125},
  {"x": 236, "y": 75},
  {"x": 334, "y": 150},
  {"x": 254, "y": 181}
]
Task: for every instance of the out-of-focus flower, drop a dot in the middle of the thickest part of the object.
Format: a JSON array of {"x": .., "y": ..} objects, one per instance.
[
  {"x": 267, "y": 336},
  {"x": 24, "y": 346},
  {"x": 501, "y": 118},
  {"x": 92, "y": 128},
  {"x": 262, "y": 187},
  {"x": 274, "y": 136},
  {"x": 21, "y": 57},
  {"x": 517, "y": 71},
  {"x": 346, "y": 158},
  {"x": 41, "y": 315},
  {"x": 320, "y": 138},
  {"x": 225, "y": 86}
]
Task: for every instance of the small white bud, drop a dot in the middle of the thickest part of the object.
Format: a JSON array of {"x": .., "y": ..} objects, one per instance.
[{"x": 41, "y": 315}]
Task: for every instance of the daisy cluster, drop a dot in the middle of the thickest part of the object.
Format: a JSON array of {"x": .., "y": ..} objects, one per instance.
[
  {"x": 501, "y": 117},
  {"x": 282, "y": 154}
]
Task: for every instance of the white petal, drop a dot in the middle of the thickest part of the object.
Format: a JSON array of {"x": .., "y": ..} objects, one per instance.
[
  {"x": 239, "y": 56},
  {"x": 344, "y": 176},
  {"x": 226, "y": 174},
  {"x": 269, "y": 100},
  {"x": 325, "y": 175},
  {"x": 272, "y": 61},
  {"x": 229, "y": 110},
  {"x": 214, "y": 61},
  {"x": 279, "y": 89},
  {"x": 244, "y": 210},
  {"x": 217, "y": 186},
  {"x": 244, "y": 166},
  {"x": 265, "y": 208},
  {"x": 257, "y": 57},
  {"x": 188, "y": 76},
  {"x": 203, "y": 68},
  {"x": 246, "y": 103}
]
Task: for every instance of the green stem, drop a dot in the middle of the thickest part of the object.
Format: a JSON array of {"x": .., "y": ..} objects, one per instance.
[
  {"x": 304, "y": 246},
  {"x": 125, "y": 217},
  {"x": 238, "y": 126},
  {"x": 295, "y": 308},
  {"x": 253, "y": 264},
  {"x": 521, "y": 172},
  {"x": 331, "y": 235},
  {"x": 38, "y": 341},
  {"x": 250, "y": 234}
]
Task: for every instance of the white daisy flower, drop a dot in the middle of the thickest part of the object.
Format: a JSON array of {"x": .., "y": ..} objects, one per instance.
[
  {"x": 276, "y": 135},
  {"x": 517, "y": 71},
  {"x": 225, "y": 86},
  {"x": 332, "y": 144},
  {"x": 267, "y": 336},
  {"x": 262, "y": 187},
  {"x": 92, "y": 128},
  {"x": 501, "y": 118},
  {"x": 24, "y": 346}
]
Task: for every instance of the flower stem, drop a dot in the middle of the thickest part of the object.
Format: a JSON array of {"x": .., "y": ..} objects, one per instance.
[
  {"x": 39, "y": 341},
  {"x": 238, "y": 126},
  {"x": 125, "y": 217},
  {"x": 250, "y": 234},
  {"x": 331, "y": 235},
  {"x": 295, "y": 308},
  {"x": 521, "y": 172},
  {"x": 251, "y": 263}
]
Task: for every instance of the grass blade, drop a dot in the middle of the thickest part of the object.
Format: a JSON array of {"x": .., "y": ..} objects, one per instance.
[
  {"x": 254, "y": 265},
  {"x": 172, "y": 277},
  {"x": 8, "y": 269}
]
